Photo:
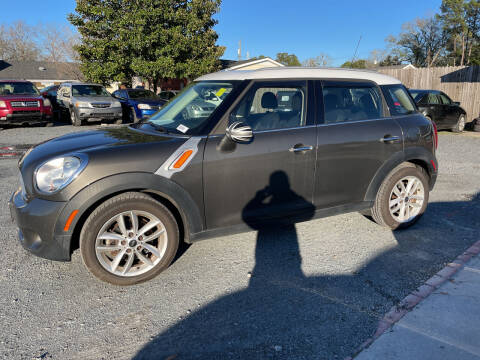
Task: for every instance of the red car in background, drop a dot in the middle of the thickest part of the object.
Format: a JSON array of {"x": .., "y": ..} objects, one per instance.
[{"x": 21, "y": 103}]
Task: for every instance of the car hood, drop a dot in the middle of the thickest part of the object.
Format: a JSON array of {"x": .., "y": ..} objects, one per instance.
[
  {"x": 125, "y": 141},
  {"x": 94, "y": 99},
  {"x": 149, "y": 101}
]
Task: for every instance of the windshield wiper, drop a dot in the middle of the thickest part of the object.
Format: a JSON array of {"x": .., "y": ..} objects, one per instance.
[{"x": 158, "y": 127}]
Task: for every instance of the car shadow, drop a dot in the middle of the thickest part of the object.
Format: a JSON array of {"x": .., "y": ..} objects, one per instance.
[{"x": 284, "y": 314}]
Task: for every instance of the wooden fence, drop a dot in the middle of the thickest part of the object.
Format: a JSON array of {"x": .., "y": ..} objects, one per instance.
[{"x": 460, "y": 83}]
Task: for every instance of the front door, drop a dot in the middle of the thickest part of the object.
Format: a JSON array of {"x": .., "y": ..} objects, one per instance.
[
  {"x": 273, "y": 175},
  {"x": 355, "y": 138}
]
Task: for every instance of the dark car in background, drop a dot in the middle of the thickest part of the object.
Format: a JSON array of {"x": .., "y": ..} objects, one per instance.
[
  {"x": 438, "y": 107},
  {"x": 138, "y": 103},
  {"x": 21, "y": 103},
  {"x": 50, "y": 93}
]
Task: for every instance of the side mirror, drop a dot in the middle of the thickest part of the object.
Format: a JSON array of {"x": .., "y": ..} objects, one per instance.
[
  {"x": 239, "y": 132},
  {"x": 456, "y": 103}
]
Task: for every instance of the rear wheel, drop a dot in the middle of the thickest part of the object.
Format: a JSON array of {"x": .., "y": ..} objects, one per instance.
[
  {"x": 129, "y": 239},
  {"x": 402, "y": 197},
  {"x": 460, "y": 125}
]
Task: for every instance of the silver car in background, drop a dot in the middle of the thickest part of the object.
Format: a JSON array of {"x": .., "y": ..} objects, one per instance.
[{"x": 88, "y": 102}]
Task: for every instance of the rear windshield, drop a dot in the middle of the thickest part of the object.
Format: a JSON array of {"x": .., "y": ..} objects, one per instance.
[
  {"x": 89, "y": 90},
  {"x": 398, "y": 99},
  {"x": 18, "y": 88}
]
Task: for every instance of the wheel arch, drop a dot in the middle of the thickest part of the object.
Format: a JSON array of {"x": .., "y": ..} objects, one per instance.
[
  {"x": 418, "y": 156},
  {"x": 170, "y": 194}
]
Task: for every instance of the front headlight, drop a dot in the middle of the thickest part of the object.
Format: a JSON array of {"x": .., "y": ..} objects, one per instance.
[
  {"x": 46, "y": 103},
  {"x": 2, "y": 104},
  {"x": 82, "y": 104},
  {"x": 57, "y": 173},
  {"x": 116, "y": 104},
  {"x": 144, "y": 107}
]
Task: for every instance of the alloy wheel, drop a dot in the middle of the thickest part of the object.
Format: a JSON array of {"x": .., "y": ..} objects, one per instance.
[
  {"x": 131, "y": 243},
  {"x": 406, "y": 199}
]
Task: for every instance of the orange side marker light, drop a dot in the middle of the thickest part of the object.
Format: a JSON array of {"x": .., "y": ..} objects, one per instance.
[
  {"x": 70, "y": 219},
  {"x": 181, "y": 160}
]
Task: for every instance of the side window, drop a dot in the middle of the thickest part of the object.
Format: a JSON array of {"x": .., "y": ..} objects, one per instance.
[
  {"x": 267, "y": 107},
  {"x": 433, "y": 99},
  {"x": 351, "y": 103},
  {"x": 445, "y": 99},
  {"x": 398, "y": 100},
  {"x": 52, "y": 92}
]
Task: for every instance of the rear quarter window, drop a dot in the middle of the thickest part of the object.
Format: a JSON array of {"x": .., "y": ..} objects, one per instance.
[{"x": 399, "y": 100}]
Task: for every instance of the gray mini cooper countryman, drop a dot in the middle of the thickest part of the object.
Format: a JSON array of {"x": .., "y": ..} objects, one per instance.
[{"x": 236, "y": 150}]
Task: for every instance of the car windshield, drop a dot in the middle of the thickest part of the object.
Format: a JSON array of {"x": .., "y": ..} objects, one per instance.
[
  {"x": 191, "y": 109},
  {"x": 142, "y": 94},
  {"x": 18, "y": 88},
  {"x": 89, "y": 90}
]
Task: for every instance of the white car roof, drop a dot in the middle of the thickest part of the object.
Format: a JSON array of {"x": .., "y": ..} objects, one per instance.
[{"x": 301, "y": 73}]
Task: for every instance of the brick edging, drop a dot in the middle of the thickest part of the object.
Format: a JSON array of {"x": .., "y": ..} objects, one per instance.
[{"x": 415, "y": 297}]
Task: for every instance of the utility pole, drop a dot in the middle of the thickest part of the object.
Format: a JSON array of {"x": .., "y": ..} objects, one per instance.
[
  {"x": 239, "y": 50},
  {"x": 356, "y": 49}
]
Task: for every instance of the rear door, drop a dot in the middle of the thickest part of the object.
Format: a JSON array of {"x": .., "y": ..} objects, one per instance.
[
  {"x": 355, "y": 137},
  {"x": 450, "y": 110}
]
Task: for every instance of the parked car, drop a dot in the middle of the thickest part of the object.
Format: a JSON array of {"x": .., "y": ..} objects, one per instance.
[
  {"x": 438, "y": 107},
  {"x": 353, "y": 141},
  {"x": 138, "y": 103},
  {"x": 50, "y": 93},
  {"x": 21, "y": 103},
  {"x": 88, "y": 102},
  {"x": 168, "y": 94}
]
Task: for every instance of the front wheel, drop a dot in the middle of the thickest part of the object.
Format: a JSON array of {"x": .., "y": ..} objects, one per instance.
[
  {"x": 129, "y": 239},
  {"x": 402, "y": 198},
  {"x": 74, "y": 118},
  {"x": 460, "y": 125}
]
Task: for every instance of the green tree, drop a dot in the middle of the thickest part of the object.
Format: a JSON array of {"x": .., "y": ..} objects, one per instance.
[
  {"x": 357, "y": 64},
  {"x": 154, "y": 39},
  {"x": 421, "y": 42},
  {"x": 288, "y": 59}
]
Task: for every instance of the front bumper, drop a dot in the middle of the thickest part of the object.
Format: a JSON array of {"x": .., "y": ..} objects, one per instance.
[
  {"x": 36, "y": 220},
  {"x": 99, "y": 113},
  {"x": 18, "y": 117}
]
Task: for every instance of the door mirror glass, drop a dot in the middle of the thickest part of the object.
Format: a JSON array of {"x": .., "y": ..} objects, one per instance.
[
  {"x": 456, "y": 103},
  {"x": 239, "y": 132}
]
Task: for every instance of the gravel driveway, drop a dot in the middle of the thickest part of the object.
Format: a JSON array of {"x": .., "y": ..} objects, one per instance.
[{"x": 313, "y": 291}]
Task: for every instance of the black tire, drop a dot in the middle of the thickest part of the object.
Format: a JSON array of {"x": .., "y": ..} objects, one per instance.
[
  {"x": 111, "y": 208},
  {"x": 74, "y": 119},
  {"x": 381, "y": 211},
  {"x": 133, "y": 116},
  {"x": 460, "y": 125}
]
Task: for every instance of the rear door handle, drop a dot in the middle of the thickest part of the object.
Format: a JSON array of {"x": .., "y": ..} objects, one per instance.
[
  {"x": 387, "y": 139},
  {"x": 300, "y": 148}
]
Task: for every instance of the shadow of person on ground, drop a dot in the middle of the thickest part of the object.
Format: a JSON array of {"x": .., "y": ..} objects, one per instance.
[{"x": 283, "y": 314}]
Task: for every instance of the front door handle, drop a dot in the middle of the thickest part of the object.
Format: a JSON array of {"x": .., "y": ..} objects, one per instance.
[
  {"x": 300, "y": 148},
  {"x": 388, "y": 139}
]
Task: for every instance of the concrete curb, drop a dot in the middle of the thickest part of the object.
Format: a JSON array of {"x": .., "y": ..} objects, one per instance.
[{"x": 414, "y": 298}]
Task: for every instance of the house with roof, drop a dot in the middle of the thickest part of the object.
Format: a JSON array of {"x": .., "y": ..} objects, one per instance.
[{"x": 41, "y": 73}]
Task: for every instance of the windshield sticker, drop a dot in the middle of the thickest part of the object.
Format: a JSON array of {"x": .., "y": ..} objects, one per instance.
[
  {"x": 182, "y": 128},
  {"x": 220, "y": 92}
]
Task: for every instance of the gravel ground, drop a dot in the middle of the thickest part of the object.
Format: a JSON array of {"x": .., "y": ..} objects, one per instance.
[{"x": 313, "y": 291}]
